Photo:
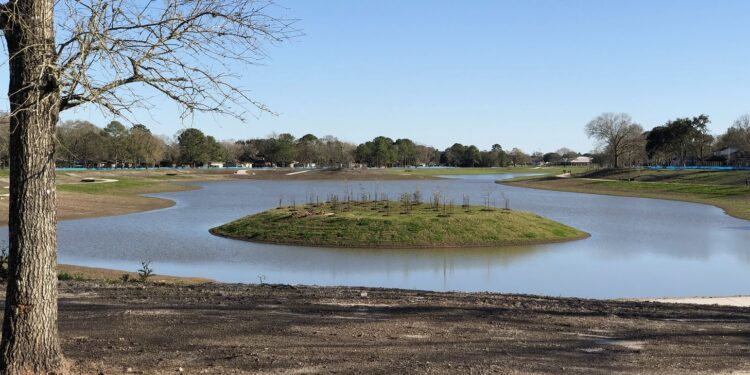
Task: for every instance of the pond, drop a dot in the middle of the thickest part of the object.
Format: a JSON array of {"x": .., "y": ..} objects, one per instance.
[{"x": 638, "y": 247}]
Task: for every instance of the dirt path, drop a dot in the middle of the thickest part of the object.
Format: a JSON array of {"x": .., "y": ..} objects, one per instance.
[{"x": 241, "y": 329}]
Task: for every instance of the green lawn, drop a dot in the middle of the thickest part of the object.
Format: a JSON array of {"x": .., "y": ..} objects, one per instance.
[
  {"x": 388, "y": 224},
  {"x": 703, "y": 177},
  {"x": 125, "y": 186},
  {"x": 724, "y": 189}
]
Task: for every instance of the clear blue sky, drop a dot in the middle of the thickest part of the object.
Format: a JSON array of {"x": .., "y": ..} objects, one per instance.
[{"x": 524, "y": 73}]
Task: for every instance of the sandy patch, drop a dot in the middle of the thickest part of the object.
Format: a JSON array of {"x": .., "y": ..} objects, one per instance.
[
  {"x": 736, "y": 301},
  {"x": 298, "y": 172}
]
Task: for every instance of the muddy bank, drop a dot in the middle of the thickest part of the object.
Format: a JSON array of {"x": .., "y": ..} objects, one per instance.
[
  {"x": 243, "y": 329},
  {"x": 82, "y": 273}
]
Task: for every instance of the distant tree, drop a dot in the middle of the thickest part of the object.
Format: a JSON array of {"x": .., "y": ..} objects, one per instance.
[
  {"x": 518, "y": 157},
  {"x": 497, "y": 157},
  {"x": 679, "y": 140},
  {"x": 80, "y": 142},
  {"x": 567, "y": 154},
  {"x": 139, "y": 144},
  {"x": 634, "y": 152},
  {"x": 471, "y": 157},
  {"x": 232, "y": 150},
  {"x": 281, "y": 149},
  {"x": 703, "y": 139},
  {"x": 364, "y": 153},
  {"x": 116, "y": 136},
  {"x": 384, "y": 151},
  {"x": 335, "y": 153},
  {"x": 552, "y": 158},
  {"x": 214, "y": 151},
  {"x": 406, "y": 152},
  {"x": 170, "y": 151},
  {"x": 307, "y": 149},
  {"x": 454, "y": 155},
  {"x": 192, "y": 146},
  {"x": 614, "y": 131}
]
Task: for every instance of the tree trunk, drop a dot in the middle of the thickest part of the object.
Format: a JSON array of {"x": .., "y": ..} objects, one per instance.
[{"x": 29, "y": 342}]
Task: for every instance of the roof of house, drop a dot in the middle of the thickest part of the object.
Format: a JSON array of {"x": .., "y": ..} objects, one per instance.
[{"x": 581, "y": 159}]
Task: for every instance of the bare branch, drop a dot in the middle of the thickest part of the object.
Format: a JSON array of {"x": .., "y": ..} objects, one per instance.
[{"x": 114, "y": 52}]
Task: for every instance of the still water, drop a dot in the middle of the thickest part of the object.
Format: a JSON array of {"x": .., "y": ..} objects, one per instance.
[{"x": 638, "y": 247}]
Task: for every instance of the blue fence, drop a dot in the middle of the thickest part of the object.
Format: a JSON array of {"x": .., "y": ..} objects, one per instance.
[{"x": 153, "y": 168}]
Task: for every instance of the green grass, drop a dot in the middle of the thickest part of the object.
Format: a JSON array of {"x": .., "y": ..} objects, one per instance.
[
  {"x": 387, "y": 224},
  {"x": 709, "y": 191},
  {"x": 724, "y": 189},
  {"x": 123, "y": 186},
  {"x": 702, "y": 177}
]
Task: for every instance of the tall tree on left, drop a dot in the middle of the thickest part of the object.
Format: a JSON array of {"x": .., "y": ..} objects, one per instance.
[
  {"x": 114, "y": 55},
  {"x": 30, "y": 344}
]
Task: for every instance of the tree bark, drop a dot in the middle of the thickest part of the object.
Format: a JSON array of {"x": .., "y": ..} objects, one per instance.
[{"x": 29, "y": 342}]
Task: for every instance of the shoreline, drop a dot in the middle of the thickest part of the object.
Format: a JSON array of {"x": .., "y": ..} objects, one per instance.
[
  {"x": 727, "y": 205},
  {"x": 394, "y": 247},
  {"x": 75, "y": 202},
  {"x": 89, "y": 274},
  {"x": 97, "y": 274}
]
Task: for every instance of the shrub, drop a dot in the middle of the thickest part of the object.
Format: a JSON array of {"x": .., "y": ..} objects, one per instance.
[{"x": 146, "y": 270}]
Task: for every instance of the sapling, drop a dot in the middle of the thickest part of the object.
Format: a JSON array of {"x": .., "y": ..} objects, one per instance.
[{"x": 146, "y": 270}]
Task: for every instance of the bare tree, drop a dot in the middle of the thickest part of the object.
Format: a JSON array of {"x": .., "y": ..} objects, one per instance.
[
  {"x": 615, "y": 132},
  {"x": 115, "y": 55}
]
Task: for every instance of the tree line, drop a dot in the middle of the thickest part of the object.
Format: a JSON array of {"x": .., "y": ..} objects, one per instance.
[
  {"x": 680, "y": 142},
  {"x": 622, "y": 142},
  {"x": 116, "y": 145}
]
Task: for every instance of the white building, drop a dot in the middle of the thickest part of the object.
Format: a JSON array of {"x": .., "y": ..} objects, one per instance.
[{"x": 581, "y": 160}]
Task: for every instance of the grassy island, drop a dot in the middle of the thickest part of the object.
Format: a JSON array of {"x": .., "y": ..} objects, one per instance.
[{"x": 389, "y": 224}]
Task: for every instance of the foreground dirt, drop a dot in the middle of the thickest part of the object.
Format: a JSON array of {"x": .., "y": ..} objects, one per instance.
[{"x": 251, "y": 329}]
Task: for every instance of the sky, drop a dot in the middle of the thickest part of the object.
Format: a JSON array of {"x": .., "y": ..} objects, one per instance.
[{"x": 526, "y": 73}]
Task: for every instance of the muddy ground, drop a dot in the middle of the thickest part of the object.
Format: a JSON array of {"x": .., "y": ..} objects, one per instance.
[{"x": 115, "y": 328}]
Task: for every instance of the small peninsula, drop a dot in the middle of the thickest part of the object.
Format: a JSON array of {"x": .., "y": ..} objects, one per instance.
[{"x": 396, "y": 224}]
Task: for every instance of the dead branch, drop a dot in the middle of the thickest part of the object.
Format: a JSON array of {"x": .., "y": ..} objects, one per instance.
[{"x": 113, "y": 53}]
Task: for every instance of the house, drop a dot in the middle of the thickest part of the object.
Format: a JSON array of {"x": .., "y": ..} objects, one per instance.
[
  {"x": 216, "y": 164},
  {"x": 582, "y": 160},
  {"x": 730, "y": 156},
  {"x": 239, "y": 164},
  {"x": 726, "y": 152}
]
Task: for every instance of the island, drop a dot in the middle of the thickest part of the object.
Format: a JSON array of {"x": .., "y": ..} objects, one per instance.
[{"x": 396, "y": 224}]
